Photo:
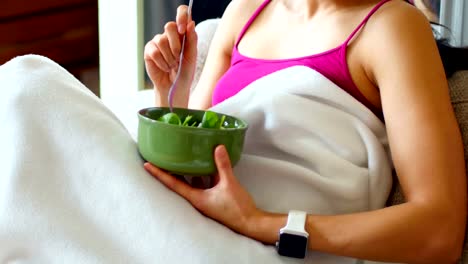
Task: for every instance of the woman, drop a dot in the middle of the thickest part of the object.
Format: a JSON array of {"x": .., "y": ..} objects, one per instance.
[{"x": 394, "y": 69}]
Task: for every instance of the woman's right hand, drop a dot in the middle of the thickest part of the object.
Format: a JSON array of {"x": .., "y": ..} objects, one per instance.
[{"x": 162, "y": 55}]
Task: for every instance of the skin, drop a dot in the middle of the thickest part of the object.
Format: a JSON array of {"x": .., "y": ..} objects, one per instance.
[{"x": 395, "y": 63}]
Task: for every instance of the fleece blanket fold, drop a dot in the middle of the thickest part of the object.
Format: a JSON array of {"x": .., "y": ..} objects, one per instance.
[{"x": 73, "y": 189}]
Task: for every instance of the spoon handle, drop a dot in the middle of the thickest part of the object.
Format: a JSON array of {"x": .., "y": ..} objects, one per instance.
[{"x": 173, "y": 86}]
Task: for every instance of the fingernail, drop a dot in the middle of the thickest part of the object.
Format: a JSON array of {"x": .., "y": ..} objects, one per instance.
[
  {"x": 221, "y": 151},
  {"x": 180, "y": 28}
]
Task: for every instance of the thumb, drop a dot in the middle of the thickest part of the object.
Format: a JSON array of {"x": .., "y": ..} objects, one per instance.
[{"x": 223, "y": 163}]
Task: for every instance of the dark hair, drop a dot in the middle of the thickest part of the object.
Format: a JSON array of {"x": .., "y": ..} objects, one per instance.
[{"x": 453, "y": 58}]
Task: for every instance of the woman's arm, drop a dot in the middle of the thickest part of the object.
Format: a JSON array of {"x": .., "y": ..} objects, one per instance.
[{"x": 426, "y": 149}]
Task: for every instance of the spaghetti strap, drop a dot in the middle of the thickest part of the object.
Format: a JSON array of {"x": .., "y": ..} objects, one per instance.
[
  {"x": 381, "y": 3},
  {"x": 251, "y": 20}
]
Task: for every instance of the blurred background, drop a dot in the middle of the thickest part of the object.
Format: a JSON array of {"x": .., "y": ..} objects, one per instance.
[
  {"x": 64, "y": 30},
  {"x": 159, "y": 12},
  {"x": 67, "y": 31}
]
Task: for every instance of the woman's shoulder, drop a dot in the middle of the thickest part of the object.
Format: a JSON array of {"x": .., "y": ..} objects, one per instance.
[
  {"x": 398, "y": 36},
  {"x": 236, "y": 15},
  {"x": 397, "y": 15},
  {"x": 391, "y": 38},
  {"x": 242, "y": 8},
  {"x": 394, "y": 25},
  {"x": 238, "y": 12}
]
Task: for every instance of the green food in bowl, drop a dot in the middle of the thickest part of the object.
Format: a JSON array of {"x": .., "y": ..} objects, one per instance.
[
  {"x": 169, "y": 141},
  {"x": 171, "y": 118},
  {"x": 210, "y": 120}
]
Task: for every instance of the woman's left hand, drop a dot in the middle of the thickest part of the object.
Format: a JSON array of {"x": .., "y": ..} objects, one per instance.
[{"x": 226, "y": 202}]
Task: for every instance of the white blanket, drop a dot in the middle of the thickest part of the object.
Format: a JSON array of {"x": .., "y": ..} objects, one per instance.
[{"x": 73, "y": 189}]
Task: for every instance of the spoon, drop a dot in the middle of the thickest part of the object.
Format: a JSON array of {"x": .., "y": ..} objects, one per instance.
[{"x": 173, "y": 86}]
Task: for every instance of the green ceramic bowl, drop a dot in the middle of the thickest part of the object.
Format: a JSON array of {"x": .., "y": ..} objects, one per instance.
[{"x": 186, "y": 150}]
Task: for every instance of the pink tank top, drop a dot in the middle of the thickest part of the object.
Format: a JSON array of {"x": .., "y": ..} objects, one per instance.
[{"x": 332, "y": 64}]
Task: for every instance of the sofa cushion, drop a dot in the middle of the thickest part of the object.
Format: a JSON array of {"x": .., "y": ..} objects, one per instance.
[
  {"x": 459, "y": 94},
  {"x": 205, "y": 31}
]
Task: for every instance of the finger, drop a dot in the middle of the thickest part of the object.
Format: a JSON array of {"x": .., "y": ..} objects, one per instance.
[
  {"x": 192, "y": 37},
  {"x": 162, "y": 43},
  {"x": 223, "y": 163},
  {"x": 152, "y": 53},
  {"x": 190, "y": 54},
  {"x": 171, "y": 182},
  {"x": 174, "y": 39},
  {"x": 153, "y": 70},
  {"x": 182, "y": 18}
]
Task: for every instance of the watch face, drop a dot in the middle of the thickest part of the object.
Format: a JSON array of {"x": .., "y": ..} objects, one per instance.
[{"x": 292, "y": 245}]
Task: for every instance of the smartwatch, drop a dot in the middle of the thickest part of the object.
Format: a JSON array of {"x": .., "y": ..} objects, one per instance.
[{"x": 293, "y": 237}]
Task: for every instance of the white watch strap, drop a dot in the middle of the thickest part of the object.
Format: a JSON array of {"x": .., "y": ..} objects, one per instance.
[{"x": 296, "y": 220}]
